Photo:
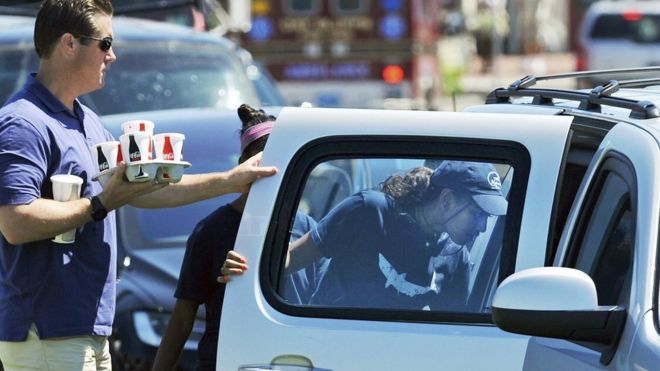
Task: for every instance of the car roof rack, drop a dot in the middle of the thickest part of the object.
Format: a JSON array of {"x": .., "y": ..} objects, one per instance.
[
  {"x": 589, "y": 100},
  {"x": 530, "y": 80}
]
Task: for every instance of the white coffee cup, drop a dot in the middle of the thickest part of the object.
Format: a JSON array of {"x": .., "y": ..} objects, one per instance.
[
  {"x": 140, "y": 150},
  {"x": 133, "y": 126},
  {"x": 66, "y": 187},
  {"x": 105, "y": 155},
  {"x": 169, "y": 146}
]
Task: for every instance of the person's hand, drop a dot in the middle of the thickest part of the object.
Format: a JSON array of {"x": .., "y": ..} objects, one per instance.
[
  {"x": 243, "y": 175},
  {"x": 234, "y": 265},
  {"x": 118, "y": 192}
]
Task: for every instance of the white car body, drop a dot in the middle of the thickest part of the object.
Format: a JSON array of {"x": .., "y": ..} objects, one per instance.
[{"x": 571, "y": 150}]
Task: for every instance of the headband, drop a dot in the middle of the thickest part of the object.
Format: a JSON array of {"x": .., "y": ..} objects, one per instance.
[{"x": 255, "y": 132}]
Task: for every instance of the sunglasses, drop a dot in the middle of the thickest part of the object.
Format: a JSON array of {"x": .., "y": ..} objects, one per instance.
[{"x": 104, "y": 44}]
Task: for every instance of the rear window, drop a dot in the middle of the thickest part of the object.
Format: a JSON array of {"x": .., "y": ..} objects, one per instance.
[
  {"x": 631, "y": 26},
  {"x": 165, "y": 75}
]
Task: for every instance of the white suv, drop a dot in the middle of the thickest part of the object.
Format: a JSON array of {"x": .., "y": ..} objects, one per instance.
[
  {"x": 619, "y": 34},
  {"x": 581, "y": 172}
]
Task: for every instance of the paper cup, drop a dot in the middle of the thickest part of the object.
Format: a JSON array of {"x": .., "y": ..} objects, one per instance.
[
  {"x": 136, "y": 147},
  {"x": 66, "y": 187},
  {"x": 168, "y": 146},
  {"x": 106, "y": 155},
  {"x": 133, "y": 126}
]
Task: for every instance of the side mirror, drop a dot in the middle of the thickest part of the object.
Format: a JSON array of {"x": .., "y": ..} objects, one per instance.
[{"x": 559, "y": 303}]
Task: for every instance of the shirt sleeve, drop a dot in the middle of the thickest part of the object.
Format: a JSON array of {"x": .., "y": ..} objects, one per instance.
[
  {"x": 24, "y": 154},
  {"x": 334, "y": 234}
]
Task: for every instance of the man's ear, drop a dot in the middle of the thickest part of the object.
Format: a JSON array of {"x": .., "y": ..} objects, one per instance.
[
  {"x": 447, "y": 198},
  {"x": 68, "y": 43}
]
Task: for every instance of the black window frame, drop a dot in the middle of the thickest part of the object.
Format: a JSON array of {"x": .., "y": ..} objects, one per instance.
[
  {"x": 622, "y": 167},
  {"x": 352, "y": 147}
]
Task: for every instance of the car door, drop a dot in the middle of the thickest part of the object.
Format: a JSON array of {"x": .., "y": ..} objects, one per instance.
[
  {"x": 611, "y": 235},
  {"x": 326, "y": 155}
]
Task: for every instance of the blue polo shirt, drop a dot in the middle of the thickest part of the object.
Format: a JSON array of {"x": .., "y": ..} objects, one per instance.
[{"x": 65, "y": 289}]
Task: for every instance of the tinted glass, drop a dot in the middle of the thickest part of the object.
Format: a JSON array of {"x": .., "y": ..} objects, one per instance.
[
  {"x": 15, "y": 65},
  {"x": 266, "y": 88},
  {"x": 155, "y": 75},
  {"x": 393, "y": 262},
  {"x": 639, "y": 28},
  {"x": 181, "y": 13},
  {"x": 606, "y": 250}
]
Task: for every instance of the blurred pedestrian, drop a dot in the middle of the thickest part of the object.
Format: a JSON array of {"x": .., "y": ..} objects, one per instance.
[{"x": 57, "y": 301}]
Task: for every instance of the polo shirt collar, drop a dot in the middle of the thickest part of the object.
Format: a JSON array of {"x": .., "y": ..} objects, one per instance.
[{"x": 47, "y": 98}]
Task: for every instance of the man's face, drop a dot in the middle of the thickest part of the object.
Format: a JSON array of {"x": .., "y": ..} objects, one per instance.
[
  {"x": 91, "y": 62},
  {"x": 469, "y": 220}
]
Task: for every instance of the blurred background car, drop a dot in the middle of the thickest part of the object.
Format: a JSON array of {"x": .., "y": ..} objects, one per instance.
[
  {"x": 159, "y": 65},
  {"x": 619, "y": 34}
]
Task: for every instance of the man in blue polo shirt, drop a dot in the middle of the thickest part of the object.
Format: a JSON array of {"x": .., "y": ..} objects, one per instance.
[{"x": 57, "y": 301}]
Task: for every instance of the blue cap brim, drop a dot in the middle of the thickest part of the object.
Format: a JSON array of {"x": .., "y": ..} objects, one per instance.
[{"x": 491, "y": 204}]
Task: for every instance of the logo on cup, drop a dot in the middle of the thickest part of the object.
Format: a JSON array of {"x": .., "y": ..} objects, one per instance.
[
  {"x": 168, "y": 151},
  {"x": 103, "y": 162},
  {"x": 133, "y": 150}
]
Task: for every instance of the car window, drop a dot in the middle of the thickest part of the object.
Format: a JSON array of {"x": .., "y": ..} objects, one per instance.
[
  {"x": 179, "y": 12},
  {"x": 16, "y": 63},
  {"x": 342, "y": 207},
  {"x": 604, "y": 249},
  {"x": 155, "y": 75},
  {"x": 266, "y": 88},
  {"x": 629, "y": 26},
  {"x": 454, "y": 266}
]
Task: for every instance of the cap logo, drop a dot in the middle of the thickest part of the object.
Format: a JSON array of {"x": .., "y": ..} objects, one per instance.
[{"x": 494, "y": 180}]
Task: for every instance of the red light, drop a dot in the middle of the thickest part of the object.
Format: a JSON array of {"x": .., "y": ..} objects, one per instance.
[
  {"x": 632, "y": 15},
  {"x": 393, "y": 74}
]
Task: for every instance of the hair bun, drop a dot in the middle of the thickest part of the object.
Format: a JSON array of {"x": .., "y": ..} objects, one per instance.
[{"x": 250, "y": 116}]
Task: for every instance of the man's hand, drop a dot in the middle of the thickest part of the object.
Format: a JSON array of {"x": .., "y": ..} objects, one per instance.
[
  {"x": 243, "y": 175},
  {"x": 118, "y": 192}
]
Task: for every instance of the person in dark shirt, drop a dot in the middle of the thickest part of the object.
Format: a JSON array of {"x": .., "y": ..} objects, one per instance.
[
  {"x": 386, "y": 247},
  {"x": 203, "y": 277}
]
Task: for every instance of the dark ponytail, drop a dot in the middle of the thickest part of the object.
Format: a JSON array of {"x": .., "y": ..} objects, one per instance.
[{"x": 410, "y": 189}]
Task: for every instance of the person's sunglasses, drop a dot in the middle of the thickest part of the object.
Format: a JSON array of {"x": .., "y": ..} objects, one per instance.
[{"x": 104, "y": 44}]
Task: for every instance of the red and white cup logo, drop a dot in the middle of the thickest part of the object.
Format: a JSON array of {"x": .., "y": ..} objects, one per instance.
[{"x": 168, "y": 146}]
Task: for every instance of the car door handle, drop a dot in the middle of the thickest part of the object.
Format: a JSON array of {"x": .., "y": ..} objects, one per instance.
[{"x": 285, "y": 362}]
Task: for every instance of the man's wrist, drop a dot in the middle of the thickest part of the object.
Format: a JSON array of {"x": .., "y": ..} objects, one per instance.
[{"x": 98, "y": 210}]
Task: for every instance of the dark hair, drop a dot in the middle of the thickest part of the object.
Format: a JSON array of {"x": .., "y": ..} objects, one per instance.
[
  {"x": 413, "y": 188},
  {"x": 409, "y": 189},
  {"x": 57, "y": 17},
  {"x": 250, "y": 117}
]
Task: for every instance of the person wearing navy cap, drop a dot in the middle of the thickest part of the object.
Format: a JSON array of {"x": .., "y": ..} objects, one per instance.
[{"x": 386, "y": 247}]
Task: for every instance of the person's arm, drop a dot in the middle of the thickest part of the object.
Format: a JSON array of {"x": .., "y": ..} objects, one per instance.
[
  {"x": 302, "y": 252},
  {"x": 44, "y": 218},
  {"x": 177, "y": 333},
  {"x": 197, "y": 187}
]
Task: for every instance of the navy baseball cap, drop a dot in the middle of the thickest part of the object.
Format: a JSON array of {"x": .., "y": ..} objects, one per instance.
[{"x": 480, "y": 179}]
